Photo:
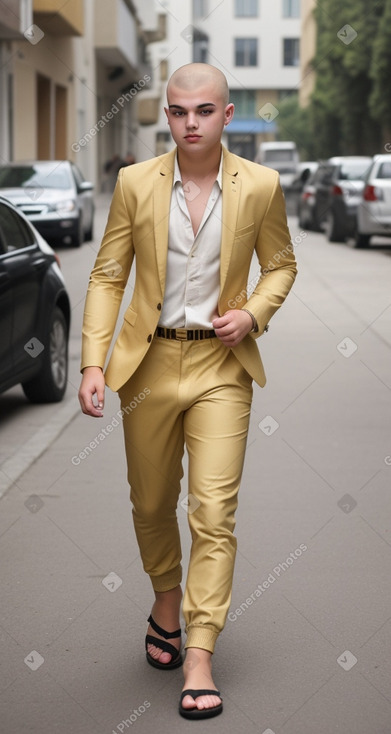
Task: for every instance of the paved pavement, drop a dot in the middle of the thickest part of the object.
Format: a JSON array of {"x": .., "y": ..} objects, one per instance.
[{"x": 306, "y": 646}]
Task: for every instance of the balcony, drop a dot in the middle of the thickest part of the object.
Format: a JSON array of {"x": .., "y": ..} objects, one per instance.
[
  {"x": 60, "y": 18},
  {"x": 16, "y": 16},
  {"x": 116, "y": 36}
]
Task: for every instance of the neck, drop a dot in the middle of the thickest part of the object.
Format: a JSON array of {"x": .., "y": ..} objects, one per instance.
[{"x": 199, "y": 167}]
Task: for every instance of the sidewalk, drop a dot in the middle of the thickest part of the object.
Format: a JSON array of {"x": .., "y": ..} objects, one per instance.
[{"x": 305, "y": 648}]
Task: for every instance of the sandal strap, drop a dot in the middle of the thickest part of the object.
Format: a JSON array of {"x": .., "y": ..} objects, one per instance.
[
  {"x": 161, "y": 631},
  {"x": 162, "y": 645},
  {"x": 195, "y": 693}
]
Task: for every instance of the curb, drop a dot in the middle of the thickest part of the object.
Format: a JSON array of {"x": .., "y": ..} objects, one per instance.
[{"x": 16, "y": 465}]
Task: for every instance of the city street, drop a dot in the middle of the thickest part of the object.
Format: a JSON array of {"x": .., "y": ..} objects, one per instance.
[{"x": 306, "y": 647}]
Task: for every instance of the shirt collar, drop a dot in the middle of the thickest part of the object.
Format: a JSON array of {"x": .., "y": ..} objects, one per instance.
[{"x": 177, "y": 173}]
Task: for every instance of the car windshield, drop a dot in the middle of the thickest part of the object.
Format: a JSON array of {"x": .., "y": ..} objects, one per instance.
[
  {"x": 47, "y": 176},
  {"x": 353, "y": 170},
  {"x": 281, "y": 155}
]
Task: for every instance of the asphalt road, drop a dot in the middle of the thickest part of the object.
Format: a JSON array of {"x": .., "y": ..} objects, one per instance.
[{"x": 306, "y": 648}]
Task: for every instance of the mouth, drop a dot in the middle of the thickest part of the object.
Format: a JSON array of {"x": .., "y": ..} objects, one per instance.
[{"x": 193, "y": 136}]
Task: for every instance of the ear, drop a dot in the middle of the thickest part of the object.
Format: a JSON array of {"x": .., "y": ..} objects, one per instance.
[
  {"x": 166, "y": 111},
  {"x": 229, "y": 113}
]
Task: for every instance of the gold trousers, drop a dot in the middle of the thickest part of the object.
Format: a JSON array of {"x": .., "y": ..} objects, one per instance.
[{"x": 193, "y": 394}]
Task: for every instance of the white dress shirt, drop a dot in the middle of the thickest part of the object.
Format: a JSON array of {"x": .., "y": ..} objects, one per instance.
[{"x": 193, "y": 262}]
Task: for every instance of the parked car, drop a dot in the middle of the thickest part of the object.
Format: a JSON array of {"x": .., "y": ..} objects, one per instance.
[
  {"x": 283, "y": 157},
  {"x": 335, "y": 191},
  {"x": 304, "y": 171},
  {"x": 306, "y": 203},
  {"x": 374, "y": 210},
  {"x": 54, "y": 196},
  {"x": 34, "y": 311}
]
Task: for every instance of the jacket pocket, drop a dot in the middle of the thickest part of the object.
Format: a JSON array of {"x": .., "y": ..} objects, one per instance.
[
  {"x": 244, "y": 232},
  {"x": 130, "y": 316}
]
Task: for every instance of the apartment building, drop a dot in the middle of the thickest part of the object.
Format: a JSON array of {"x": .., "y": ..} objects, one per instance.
[
  {"x": 256, "y": 43},
  {"x": 70, "y": 74},
  {"x": 308, "y": 49}
]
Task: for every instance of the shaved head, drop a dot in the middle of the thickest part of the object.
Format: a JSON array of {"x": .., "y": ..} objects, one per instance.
[{"x": 194, "y": 76}]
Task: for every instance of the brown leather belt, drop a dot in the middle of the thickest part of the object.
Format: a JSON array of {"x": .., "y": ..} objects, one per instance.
[{"x": 185, "y": 335}]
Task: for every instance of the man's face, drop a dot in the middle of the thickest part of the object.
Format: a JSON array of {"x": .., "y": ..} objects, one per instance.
[{"x": 197, "y": 117}]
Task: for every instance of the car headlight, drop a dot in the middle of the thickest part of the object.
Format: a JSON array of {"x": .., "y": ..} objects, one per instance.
[{"x": 65, "y": 206}]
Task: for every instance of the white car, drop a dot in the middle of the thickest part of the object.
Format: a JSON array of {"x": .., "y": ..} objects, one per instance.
[
  {"x": 54, "y": 196},
  {"x": 374, "y": 210}
]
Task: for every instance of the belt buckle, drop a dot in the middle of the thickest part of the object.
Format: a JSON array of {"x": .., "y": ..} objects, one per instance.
[{"x": 181, "y": 335}]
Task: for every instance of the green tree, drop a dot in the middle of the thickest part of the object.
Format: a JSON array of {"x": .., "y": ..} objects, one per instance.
[
  {"x": 342, "y": 122},
  {"x": 380, "y": 72},
  {"x": 293, "y": 123}
]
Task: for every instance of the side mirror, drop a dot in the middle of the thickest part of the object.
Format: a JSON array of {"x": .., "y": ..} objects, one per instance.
[{"x": 85, "y": 186}]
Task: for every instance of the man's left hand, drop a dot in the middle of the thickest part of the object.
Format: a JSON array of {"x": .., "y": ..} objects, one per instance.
[{"x": 232, "y": 327}]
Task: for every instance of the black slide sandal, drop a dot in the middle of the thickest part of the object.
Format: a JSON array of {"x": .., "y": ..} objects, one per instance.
[
  {"x": 176, "y": 660},
  {"x": 196, "y": 713}
]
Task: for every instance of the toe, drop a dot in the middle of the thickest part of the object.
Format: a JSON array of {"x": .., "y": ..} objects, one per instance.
[
  {"x": 202, "y": 702},
  {"x": 165, "y": 657},
  {"x": 157, "y": 654}
]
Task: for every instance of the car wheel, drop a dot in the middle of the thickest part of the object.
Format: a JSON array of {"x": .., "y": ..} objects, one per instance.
[
  {"x": 362, "y": 240},
  {"x": 89, "y": 235},
  {"x": 50, "y": 384},
  {"x": 302, "y": 221},
  {"x": 78, "y": 237},
  {"x": 333, "y": 232}
]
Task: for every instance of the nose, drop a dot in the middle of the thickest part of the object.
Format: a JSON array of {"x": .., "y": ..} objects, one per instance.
[{"x": 191, "y": 121}]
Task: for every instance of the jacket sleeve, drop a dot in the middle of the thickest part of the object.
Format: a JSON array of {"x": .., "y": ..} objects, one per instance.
[
  {"x": 276, "y": 259},
  {"x": 107, "y": 281}
]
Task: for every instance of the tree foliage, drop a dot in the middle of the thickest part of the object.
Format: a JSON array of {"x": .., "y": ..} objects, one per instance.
[
  {"x": 346, "y": 116},
  {"x": 380, "y": 73},
  {"x": 293, "y": 123}
]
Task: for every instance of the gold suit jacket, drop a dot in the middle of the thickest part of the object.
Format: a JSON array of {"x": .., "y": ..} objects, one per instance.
[{"x": 254, "y": 218}]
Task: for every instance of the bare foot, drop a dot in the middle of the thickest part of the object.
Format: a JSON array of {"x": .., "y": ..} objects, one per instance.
[
  {"x": 165, "y": 613},
  {"x": 197, "y": 670}
]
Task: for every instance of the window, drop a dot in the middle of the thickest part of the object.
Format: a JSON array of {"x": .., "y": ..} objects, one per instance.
[
  {"x": 200, "y": 47},
  {"x": 246, "y": 51},
  {"x": 199, "y": 8},
  {"x": 291, "y": 8},
  {"x": 15, "y": 233},
  {"x": 246, "y": 8},
  {"x": 244, "y": 101},
  {"x": 291, "y": 52},
  {"x": 384, "y": 171}
]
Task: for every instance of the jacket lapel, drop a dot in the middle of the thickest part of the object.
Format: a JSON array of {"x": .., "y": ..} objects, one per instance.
[
  {"x": 231, "y": 198},
  {"x": 161, "y": 212}
]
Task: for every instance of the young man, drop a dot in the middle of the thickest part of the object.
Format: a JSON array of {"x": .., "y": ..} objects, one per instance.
[{"x": 192, "y": 220}]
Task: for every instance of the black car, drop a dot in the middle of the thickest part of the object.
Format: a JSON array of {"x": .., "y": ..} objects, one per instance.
[
  {"x": 331, "y": 196},
  {"x": 34, "y": 311},
  {"x": 54, "y": 196}
]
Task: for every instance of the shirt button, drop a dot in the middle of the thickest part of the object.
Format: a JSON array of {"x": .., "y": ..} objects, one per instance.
[
  {"x": 159, "y": 307},
  {"x": 149, "y": 338}
]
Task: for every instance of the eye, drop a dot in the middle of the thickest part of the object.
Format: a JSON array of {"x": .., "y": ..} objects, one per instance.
[{"x": 206, "y": 112}]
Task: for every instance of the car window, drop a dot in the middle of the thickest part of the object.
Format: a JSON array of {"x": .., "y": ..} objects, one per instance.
[
  {"x": 353, "y": 170},
  {"x": 77, "y": 174},
  {"x": 15, "y": 233},
  {"x": 35, "y": 176},
  {"x": 325, "y": 173},
  {"x": 384, "y": 170}
]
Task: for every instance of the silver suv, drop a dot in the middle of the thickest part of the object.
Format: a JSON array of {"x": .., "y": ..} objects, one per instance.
[{"x": 374, "y": 210}]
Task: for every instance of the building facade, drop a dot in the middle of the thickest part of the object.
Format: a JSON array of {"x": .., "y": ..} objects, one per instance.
[
  {"x": 69, "y": 79},
  {"x": 256, "y": 43},
  {"x": 308, "y": 49}
]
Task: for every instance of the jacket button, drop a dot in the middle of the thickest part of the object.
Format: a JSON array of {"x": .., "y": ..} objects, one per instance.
[
  {"x": 149, "y": 338},
  {"x": 159, "y": 307}
]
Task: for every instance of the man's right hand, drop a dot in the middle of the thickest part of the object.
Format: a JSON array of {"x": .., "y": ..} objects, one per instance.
[{"x": 92, "y": 386}]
